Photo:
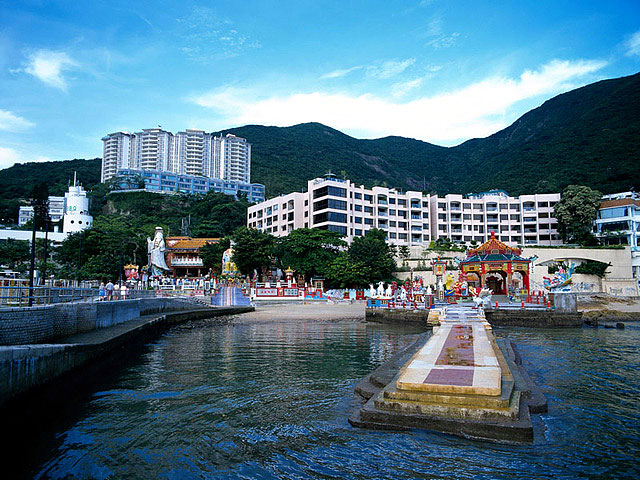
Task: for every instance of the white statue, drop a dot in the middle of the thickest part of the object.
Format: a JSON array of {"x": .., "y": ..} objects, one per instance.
[
  {"x": 380, "y": 289},
  {"x": 429, "y": 292},
  {"x": 389, "y": 292},
  {"x": 372, "y": 291},
  {"x": 156, "y": 249},
  {"x": 403, "y": 294}
]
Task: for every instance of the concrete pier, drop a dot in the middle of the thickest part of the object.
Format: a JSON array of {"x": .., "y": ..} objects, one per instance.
[{"x": 460, "y": 381}]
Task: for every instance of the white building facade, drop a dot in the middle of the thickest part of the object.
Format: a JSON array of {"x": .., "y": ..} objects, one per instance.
[
  {"x": 523, "y": 220},
  {"x": 73, "y": 209},
  {"x": 339, "y": 205},
  {"x": 191, "y": 152},
  {"x": 409, "y": 218}
]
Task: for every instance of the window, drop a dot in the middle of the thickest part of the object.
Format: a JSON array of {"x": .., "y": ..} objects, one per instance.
[
  {"x": 330, "y": 217},
  {"x": 368, "y": 221},
  {"x": 358, "y": 219},
  {"x": 358, "y": 208},
  {"x": 358, "y": 232},
  {"x": 330, "y": 190},
  {"x": 358, "y": 196},
  {"x": 368, "y": 198},
  {"x": 329, "y": 203},
  {"x": 368, "y": 209},
  {"x": 392, "y": 201}
]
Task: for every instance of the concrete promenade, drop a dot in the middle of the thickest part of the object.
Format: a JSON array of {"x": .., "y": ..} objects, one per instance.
[
  {"x": 460, "y": 381},
  {"x": 29, "y": 366}
]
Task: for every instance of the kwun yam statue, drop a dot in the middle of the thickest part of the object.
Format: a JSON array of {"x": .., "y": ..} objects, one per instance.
[{"x": 156, "y": 249}]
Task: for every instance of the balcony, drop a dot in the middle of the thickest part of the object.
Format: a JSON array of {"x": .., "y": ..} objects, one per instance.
[{"x": 186, "y": 262}]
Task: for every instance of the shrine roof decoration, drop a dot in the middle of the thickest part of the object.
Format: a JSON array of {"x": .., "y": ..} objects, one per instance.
[
  {"x": 494, "y": 250},
  {"x": 186, "y": 243}
]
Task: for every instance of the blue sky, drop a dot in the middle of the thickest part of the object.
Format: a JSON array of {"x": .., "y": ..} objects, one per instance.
[{"x": 440, "y": 71}]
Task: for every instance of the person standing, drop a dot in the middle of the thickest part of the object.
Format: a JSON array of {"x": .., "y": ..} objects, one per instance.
[
  {"x": 109, "y": 290},
  {"x": 101, "y": 291}
]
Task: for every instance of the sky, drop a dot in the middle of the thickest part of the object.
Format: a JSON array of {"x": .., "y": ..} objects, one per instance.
[{"x": 435, "y": 70}]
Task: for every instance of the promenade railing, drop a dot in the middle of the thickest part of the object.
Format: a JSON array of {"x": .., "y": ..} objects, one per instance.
[{"x": 18, "y": 296}]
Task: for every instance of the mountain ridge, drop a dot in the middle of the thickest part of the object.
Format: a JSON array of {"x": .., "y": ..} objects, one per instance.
[{"x": 588, "y": 136}]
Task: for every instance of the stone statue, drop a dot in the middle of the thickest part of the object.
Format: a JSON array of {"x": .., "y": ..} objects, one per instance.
[
  {"x": 380, "y": 289},
  {"x": 389, "y": 292},
  {"x": 156, "y": 249},
  {"x": 372, "y": 291}
]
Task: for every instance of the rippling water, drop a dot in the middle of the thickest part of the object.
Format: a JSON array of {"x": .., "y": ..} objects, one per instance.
[{"x": 271, "y": 400}]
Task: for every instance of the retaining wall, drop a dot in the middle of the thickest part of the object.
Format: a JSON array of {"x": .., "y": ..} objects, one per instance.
[
  {"x": 533, "y": 318},
  {"x": 25, "y": 367},
  {"x": 28, "y": 325}
]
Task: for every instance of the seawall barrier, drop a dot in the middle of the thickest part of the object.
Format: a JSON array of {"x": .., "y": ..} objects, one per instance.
[
  {"x": 24, "y": 368},
  {"x": 28, "y": 325}
]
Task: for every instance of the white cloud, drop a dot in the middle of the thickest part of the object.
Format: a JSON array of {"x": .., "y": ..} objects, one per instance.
[
  {"x": 8, "y": 157},
  {"x": 633, "y": 44},
  {"x": 12, "y": 122},
  {"x": 400, "y": 89},
  {"x": 477, "y": 110},
  {"x": 443, "y": 41},
  {"x": 390, "y": 68},
  {"x": 340, "y": 73},
  {"x": 48, "y": 66}
]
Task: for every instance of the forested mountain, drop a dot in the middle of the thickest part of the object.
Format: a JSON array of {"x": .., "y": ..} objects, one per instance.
[{"x": 587, "y": 136}]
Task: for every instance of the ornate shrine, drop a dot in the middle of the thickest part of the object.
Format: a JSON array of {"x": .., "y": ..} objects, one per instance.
[{"x": 498, "y": 267}]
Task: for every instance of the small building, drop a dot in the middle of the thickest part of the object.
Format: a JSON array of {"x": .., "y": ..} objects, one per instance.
[
  {"x": 183, "y": 258},
  {"x": 497, "y": 266}
]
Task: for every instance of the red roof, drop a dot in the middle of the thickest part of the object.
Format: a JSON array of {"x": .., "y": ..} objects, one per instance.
[{"x": 494, "y": 246}]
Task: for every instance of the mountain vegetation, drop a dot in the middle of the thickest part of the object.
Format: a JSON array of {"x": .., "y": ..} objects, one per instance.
[{"x": 588, "y": 136}]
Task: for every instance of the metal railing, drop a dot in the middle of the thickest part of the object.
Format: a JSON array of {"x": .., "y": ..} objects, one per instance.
[{"x": 18, "y": 296}]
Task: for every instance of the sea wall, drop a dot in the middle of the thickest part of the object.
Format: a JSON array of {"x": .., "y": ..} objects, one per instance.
[
  {"x": 27, "y": 325},
  {"x": 24, "y": 368},
  {"x": 397, "y": 316},
  {"x": 533, "y": 318}
]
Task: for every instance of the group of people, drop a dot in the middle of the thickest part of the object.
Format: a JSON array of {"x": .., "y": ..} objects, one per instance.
[{"x": 112, "y": 292}]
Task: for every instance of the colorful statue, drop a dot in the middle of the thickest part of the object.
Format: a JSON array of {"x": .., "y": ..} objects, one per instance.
[
  {"x": 561, "y": 281},
  {"x": 228, "y": 267},
  {"x": 156, "y": 249}
]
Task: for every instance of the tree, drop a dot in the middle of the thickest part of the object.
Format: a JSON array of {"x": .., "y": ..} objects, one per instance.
[
  {"x": 344, "y": 272},
  {"x": 14, "y": 253},
  {"x": 373, "y": 252},
  {"x": 405, "y": 253},
  {"x": 576, "y": 211},
  {"x": 309, "y": 251},
  {"x": 211, "y": 254},
  {"x": 252, "y": 250}
]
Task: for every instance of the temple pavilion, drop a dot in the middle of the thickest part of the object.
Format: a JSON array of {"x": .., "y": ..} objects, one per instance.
[{"x": 497, "y": 266}]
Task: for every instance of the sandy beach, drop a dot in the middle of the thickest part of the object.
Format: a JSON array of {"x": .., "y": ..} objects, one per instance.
[{"x": 304, "y": 311}]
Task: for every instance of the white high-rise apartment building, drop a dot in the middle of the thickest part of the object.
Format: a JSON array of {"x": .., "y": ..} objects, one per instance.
[
  {"x": 116, "y": 153},
  {"x": 189, "y": 156},
  {"x": 409, "y": 218},
  {"x": 152, "y": 149},
  {"x": 191, "y": 152},
  {"x": 235, "y": 158}
]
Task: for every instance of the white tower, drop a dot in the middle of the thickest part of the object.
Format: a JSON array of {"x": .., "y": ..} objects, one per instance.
[{"x": 76, "y": 212}]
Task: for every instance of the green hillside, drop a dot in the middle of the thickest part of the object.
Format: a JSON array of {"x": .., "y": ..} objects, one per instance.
[{"x": 586, "y": 136}]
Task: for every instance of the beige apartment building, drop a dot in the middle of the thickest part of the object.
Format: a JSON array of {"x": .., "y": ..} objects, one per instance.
[{"x": 409, "y": 218}]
